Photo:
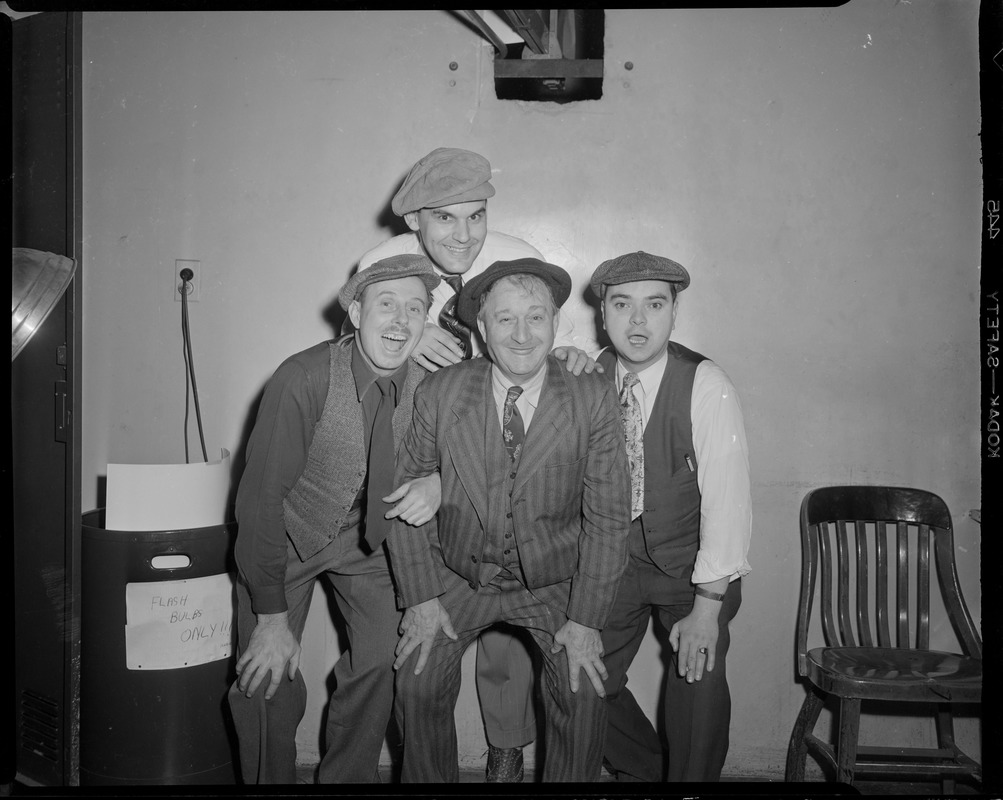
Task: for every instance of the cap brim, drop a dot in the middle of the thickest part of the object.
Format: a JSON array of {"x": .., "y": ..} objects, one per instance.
[{"x": 469, "y": 301}]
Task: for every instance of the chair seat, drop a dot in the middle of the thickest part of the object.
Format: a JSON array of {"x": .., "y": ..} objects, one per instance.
[{"x": 890, "y": 673}]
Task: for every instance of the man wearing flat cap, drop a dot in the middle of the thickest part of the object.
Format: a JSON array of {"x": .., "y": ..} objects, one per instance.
[
  {"x": 443, "y": 200},
  {"x": 319, "y": 466},
  {"x": 531, "y": 529},
  {"x": 690, "y": 529}
]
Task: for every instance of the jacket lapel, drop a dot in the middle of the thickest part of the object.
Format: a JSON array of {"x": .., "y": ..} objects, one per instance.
[
  {"x": 465, "y": 436},
  {"x": 550, "y": 424}
]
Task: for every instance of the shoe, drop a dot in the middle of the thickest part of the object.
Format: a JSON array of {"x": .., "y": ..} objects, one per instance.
[{"x": 504, "y": 764}]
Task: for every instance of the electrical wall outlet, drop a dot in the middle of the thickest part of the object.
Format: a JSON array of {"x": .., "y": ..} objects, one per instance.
[{"x": 194, "y": 285}]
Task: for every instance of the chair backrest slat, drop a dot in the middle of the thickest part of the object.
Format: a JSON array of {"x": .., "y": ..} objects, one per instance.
[
  {"x": 863, "y": 585},
  {"x": 843, "y": 586},
  {"x": 826, "y": 559},
  {"x": 902, "y": 584},
  {"x": 923, "y": 589},
  {"x": 809, "y": 571},
  {"x": 881, "y": 584}
]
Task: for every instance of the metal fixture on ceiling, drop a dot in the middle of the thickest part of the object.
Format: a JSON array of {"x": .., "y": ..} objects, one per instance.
[{"x": 555, "y": 45}]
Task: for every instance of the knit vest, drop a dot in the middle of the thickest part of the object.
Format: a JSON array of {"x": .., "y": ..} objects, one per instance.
[
  {"x": 317, "y": 506},
  {"x": 671, "y": 518}
]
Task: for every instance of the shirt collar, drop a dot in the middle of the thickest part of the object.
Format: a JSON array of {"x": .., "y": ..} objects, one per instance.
[
  {"x": 365, "y": 377},
  {"x": 531, "y": 389},
  {"x": 650, "y": 377}
]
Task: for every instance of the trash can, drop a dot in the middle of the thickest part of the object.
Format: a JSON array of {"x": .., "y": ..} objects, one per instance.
[{"x": 157, "y": 655}]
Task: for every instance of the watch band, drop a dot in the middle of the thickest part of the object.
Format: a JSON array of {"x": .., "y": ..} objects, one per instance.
[{"x": 708, "y": 594}]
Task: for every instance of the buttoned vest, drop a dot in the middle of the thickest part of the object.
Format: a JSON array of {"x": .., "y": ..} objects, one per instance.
[
  {"x": 671, "y": 518},
  {"x": 499, "y": 535},
  {"x": 316, "y": 508}
]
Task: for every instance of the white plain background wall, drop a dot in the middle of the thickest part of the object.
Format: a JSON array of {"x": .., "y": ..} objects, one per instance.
[{"x": 816, "y": 169}]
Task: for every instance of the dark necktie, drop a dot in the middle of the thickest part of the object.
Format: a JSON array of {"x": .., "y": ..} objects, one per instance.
[
  {"x": 448, "y": 320},
  {"x": 381, "y": 465},
  {"x": 512, "y": 430},
  {"x": 633, "y": 426}
]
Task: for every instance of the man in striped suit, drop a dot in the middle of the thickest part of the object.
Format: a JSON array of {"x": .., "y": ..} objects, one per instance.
[{"x": 531, "y": 529}]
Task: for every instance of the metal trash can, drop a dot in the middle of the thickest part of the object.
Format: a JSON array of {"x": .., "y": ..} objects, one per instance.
[{"x": 158, "y": 640}]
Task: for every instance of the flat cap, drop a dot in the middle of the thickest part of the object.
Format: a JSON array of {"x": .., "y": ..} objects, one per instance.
[
  {"x": 639, "y": 266},
  {"x": 387, "y": 269},
  {"x": 469, "y": 302},
  {"x": 445, "y": 176}
]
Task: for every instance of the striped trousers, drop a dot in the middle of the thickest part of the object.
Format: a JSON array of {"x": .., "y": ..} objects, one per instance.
[{"x": 574, "y": 722}]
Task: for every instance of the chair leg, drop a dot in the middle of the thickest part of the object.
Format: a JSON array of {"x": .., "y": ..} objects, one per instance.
[
  {"x": 945, "y": 741},
  {"x": 846, "y": 743},
  {"x": 797, "y": 749}
]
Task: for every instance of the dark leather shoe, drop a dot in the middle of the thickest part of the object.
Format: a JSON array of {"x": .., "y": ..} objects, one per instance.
[{"x": 504, "y": 764}]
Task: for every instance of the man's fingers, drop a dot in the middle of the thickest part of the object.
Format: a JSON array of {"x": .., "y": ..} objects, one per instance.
[
  {"x": 696, "y": 661},
  {"x": 573, "y": 675},
  {"x": 273, "y": 684},
  {"x": 686, "y": 659},
  {"x": 404, "y": 652},
  {"x": 398, "y": 510},
  {"x": 423, "y": 652},
  {"x": 447, "y": 628},
  {"x": 398, "y": 493},
  {"x": 422, "y": 361},
  {"x": 252, "y": 678},
  {"x": 440, "y": 346},
  {"x": 597, "y": 681}
]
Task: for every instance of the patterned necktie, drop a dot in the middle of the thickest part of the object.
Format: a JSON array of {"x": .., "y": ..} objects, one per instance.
[
  {"x": 633, "y": 424},
  {"x": 448, "y": 320},
  {"x": 381, "y": 465},
  {"x": 512, "y": 430}
]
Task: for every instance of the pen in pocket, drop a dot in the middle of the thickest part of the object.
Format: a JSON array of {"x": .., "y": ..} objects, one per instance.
[{"x": 689, "y": 462}]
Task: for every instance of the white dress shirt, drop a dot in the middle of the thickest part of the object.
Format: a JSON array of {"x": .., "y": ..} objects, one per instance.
[
  {"x": 722, "y": 461},
  {"x": 526, "y": 402}
]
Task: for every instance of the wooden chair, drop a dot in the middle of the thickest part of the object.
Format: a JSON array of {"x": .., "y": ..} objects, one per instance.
[{"x": 872, "y": 545}]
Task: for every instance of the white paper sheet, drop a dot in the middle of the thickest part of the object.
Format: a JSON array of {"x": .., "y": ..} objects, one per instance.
[
  {"x": 167, "y": 497},
  {"x": 176, "y": 624}
]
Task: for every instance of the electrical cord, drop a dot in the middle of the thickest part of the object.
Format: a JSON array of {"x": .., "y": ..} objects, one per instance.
[{"x": 186, "y": 276}]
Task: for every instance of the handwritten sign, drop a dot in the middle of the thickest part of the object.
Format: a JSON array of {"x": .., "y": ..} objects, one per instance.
[{"x": 176, "y": 624}]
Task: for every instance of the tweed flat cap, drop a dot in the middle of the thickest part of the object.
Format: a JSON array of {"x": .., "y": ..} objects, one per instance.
[
  {"x": 445, "y": 176},
  {"x": 387, "y": 269},
  {"x": 469, "y": 302},
  {"x": 639, "y": 266}
]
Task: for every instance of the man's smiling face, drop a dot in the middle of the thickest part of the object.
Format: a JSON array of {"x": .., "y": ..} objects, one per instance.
[
  {"x": 451, "y": 235},
  {"x": 390, "y": 318}
]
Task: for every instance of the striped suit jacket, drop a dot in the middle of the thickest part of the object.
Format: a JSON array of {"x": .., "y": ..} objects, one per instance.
[{"x": 570, "y": 498}]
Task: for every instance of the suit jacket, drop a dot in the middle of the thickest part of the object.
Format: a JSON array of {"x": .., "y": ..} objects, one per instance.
[{"x": 570, "y": 498}]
